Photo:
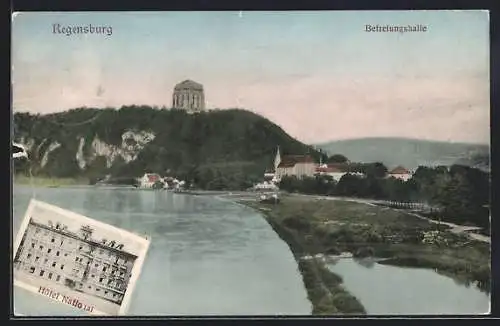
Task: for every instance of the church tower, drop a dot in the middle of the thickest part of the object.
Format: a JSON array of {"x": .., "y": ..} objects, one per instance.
[{"x": 277, "y": 159}]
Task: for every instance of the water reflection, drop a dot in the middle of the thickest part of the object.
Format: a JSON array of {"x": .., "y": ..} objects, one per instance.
[
  {"x": 207, "y": 257},
  {"x": 365, "y": 262},
  {"x": 384, "y": 289}
]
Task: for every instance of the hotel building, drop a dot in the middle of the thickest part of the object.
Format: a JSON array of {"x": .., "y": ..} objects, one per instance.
[{"x": 51, "y": 252}]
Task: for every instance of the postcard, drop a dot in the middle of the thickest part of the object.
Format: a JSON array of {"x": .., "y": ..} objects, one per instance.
[
  {"x": 77, "y": 261},
  {"x": 282, "y": 162}
]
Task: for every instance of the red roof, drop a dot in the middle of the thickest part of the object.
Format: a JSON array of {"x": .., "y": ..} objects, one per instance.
[
  {"x": 399, "y": 170},
  {"x": 153, "y": 177},
  {"x": 289, "y": 161}
]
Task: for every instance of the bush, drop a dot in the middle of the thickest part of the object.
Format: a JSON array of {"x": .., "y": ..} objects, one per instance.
[{"x": 297, "y": 223}]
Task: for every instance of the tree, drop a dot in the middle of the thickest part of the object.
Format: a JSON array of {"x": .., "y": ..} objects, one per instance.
[
  {"x": 338, "y": 158},
  {"x": 351, "y": 185},
  {"x": 96, "y": 168},
  {"x": 376, "y": 170},
  {"x": 183, "y": 143},
  {"x": 60, "y": 164}
]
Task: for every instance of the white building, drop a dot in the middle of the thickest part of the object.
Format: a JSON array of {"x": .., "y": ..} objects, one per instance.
[
  {"x": 149, "y": 179},
  {"x": 266, "y": 185},
  {"x": 336, "y": 171},
  {"x": 19, "y": 151},
  {"x": 98, "y": 267},
  {"x": 293, "y": 165},
  {"x": 400, "y": 173}
]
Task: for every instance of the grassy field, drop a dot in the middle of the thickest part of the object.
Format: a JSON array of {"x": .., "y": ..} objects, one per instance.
[
  {"x": 315, "y": 226},
  {"x": 48, "y": 182}
]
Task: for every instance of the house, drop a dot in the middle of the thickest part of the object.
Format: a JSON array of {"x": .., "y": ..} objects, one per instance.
[
  {"x": 269, "y": 175},
  {"x": 401, "y": 173},
  {"x": 296, "y": 165},
  {"x": 149, "y": 179},
  {"x": 336, "y": 170},
  {"x": 266, "y": 185}
]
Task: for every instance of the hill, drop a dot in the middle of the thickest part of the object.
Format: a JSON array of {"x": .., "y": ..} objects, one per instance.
[
  {"x": 217, "y": 149},
  {"x": 409, "y": 152}
]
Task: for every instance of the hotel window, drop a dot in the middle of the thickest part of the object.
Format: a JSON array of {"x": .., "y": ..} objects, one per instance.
[
  {"x": 32, "y": 269},
  {"x": 50, "y": 276},
  {"x": 58, "y": 277},
  {"x": 41, "y": 272},
  {"x": 57, "y": 253},
  {"x": 52, "y": 240},
  {"x": 54, "y": 264}
]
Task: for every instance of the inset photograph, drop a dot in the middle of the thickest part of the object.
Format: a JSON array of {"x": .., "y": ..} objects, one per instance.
[{"x": 76, "y": 260}]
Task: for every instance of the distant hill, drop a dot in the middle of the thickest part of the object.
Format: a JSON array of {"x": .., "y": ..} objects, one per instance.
[
  {"x": 409, "y": 152},
  {"x": 215, "y": 149}
]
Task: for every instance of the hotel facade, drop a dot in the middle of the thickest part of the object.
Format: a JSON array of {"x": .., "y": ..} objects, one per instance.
[{"x": 51, "y": 252}]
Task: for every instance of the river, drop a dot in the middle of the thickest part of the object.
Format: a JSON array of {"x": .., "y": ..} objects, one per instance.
[
  {"x": 391, "y": 290},
  {"x": 207, "y": 256}
]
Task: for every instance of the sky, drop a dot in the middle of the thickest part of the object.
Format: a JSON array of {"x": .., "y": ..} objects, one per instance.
[{"x": 318, "y": 74}]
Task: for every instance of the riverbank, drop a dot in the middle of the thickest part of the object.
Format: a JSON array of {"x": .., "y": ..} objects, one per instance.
[
  {"x": 313, "y": 226},
  {"x": 48, "y": 182},
  {"x": 324, "y": 288}
]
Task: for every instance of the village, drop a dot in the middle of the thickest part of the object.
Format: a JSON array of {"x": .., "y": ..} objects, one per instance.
[
  {"x": 298, "y": 166},
  {"x": 301, "y": 166}
]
